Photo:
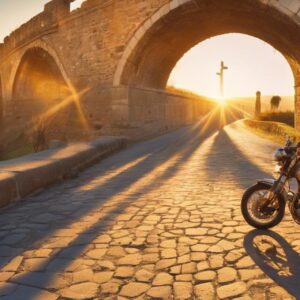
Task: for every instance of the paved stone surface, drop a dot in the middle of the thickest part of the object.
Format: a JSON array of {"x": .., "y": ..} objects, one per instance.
[{"x": 160, "y": 220}]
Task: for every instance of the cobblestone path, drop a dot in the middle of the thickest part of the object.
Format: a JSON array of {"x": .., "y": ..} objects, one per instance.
[{"x": 160, "y": 220}]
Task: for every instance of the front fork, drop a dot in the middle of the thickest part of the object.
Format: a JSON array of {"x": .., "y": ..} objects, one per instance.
[
  {"x": 276, "y": 188},
  {"x": 278, "y": 185}
]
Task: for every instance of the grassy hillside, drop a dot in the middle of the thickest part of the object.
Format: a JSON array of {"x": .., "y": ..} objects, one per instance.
[
  {"x": 275, "y": 131},
  {"x": 244, "y": 103},
  {"x": 248, "y": 103}
]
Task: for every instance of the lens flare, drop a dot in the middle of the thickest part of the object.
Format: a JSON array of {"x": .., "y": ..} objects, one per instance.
[{"x": 221, "y": 100}]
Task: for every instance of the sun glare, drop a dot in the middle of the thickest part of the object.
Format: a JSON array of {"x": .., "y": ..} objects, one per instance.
[
  {"x": 250, "y": 65},
  {"x": 221, "y": 100}
]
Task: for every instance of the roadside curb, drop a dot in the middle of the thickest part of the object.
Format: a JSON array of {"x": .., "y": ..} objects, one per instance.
[{"x": 25, "y": 175}]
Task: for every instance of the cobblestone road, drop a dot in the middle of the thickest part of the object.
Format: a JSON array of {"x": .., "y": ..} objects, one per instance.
[{"x": 160, "y": 220}]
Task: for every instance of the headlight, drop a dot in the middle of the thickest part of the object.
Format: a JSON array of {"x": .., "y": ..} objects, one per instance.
[
  {"x": 277, "y": 168},
  {"x": 279, "y": 155}
]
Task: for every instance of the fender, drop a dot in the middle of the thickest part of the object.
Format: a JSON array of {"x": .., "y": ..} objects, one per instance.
[{"x": 269, "y": 182}]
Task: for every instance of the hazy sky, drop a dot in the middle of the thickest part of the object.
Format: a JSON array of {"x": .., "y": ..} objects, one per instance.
[
  {"x": 13, "y": 13},
  {"x": 253, "y": 65}
]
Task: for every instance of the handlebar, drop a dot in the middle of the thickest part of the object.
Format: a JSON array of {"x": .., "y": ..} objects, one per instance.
[
  {"x": 288, "y": 142},
  {"x": 291, "y": 150}
]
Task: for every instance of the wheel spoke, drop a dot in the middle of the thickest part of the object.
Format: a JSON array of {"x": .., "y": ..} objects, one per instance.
[{"x": 254, "y": 207}]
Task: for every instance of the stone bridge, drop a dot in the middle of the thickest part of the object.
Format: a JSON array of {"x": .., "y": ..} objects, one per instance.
[{"x": 113, "y": 58}]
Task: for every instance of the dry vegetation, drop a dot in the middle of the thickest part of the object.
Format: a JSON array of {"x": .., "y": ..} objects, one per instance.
[
  {"x": 275, "y": 131},
  {"x": 183, "y": 92},
  {"x": 247, "y": 104},
  {"x": 287, "y": 117},
  {"x": 32, "y": 137},
  {"x": 16, "y": 144}
]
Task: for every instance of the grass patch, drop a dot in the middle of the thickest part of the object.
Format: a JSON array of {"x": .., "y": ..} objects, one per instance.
[
  {"x": 274, "y": 131},
  {"x": 287, "y": 117},
  {"x": 15, "y": 146},
  {"x": 18, "y": 152}
]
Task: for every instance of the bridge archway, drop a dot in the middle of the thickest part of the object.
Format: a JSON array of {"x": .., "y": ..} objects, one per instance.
[
  {"x": 40, "y": 44},
  {"x": 38, "y": 84},
  {"x": 160, "y": 42}
]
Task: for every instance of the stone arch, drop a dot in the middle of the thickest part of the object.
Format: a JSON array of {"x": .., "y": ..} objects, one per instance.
[
  {"x": 40, "y": 87},
  {"x": 160, "y": 41},
  {"x": 38, "y": 84},
  {"x": 37, "y": 44}
]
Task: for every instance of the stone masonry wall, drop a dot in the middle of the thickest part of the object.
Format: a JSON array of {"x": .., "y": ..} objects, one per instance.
[{"x": 141, "y": 113}]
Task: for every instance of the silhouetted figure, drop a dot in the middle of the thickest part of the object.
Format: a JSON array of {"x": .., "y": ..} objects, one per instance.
[
  {"x": 258, "y": 104},
  {"x": 275, "y": 102}
]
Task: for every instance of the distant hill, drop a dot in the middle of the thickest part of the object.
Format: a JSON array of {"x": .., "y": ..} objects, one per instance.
[{"x": 248, "y": 103}]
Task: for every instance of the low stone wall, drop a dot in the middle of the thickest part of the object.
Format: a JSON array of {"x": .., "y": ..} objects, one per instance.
[
  {"x": 276, "y": 129},
  {"x": 140, "y": 113},
  {"x": 23, "y": 176}
]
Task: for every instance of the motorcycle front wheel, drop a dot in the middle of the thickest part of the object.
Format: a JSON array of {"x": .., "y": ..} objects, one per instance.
[{"x": 251, "y": 203}]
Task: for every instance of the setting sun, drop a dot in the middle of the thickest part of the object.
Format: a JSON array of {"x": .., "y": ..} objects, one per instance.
[
  {"x": 252, "y": 65},
  {"x": 221, "y": 100}
]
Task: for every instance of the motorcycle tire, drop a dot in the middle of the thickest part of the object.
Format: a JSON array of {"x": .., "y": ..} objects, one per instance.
[{"x": 249, "y": 219}]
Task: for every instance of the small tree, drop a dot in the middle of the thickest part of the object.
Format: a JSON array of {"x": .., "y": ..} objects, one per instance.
[
  {"x": 44, "y": 130},
  {"x": 275, "y": 102},
  {"x": 39, "y": 135}
]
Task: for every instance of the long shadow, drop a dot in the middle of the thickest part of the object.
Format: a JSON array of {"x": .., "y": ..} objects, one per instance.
[
  {"x": 276, "y": 258},
  {"x": 232, "y": 163},
  {"x": 102, "y": 193},
  {"x": 117, "y": 185},
  {"x": 167, "y": 147}
]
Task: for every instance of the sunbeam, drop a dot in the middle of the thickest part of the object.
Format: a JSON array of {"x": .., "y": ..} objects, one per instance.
[
  {"x": 74, "y": 98},
  {"x": 245, "y": 113}
]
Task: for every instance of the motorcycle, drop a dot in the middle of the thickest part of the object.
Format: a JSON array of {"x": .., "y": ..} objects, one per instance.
[{"x": 263, "y": 204}]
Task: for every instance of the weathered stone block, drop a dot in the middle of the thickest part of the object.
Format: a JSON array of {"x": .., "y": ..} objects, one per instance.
[{"x": 8, "y": 190}]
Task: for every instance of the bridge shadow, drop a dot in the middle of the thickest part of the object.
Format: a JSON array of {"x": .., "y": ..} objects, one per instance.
[
  {"x": 181, "y": 148},
  {"x": 276, "y": 258},
  {"x": 232, "y": 164}
]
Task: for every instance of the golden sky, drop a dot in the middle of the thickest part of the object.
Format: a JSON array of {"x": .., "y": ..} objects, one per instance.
[{"x": 253, "y": 65}]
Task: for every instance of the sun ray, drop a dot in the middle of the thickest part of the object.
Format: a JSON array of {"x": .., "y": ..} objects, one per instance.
[
  {"x": 209, "y": 120},
  {"x": 73, "y": 98},
  {"x": 223, "y": 119},
  {"x": 233, "y": 113},
  {"x": 241, "y": 110}
]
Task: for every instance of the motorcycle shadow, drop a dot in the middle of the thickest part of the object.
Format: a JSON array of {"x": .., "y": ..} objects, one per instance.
[{"x": 276, "y": 258}]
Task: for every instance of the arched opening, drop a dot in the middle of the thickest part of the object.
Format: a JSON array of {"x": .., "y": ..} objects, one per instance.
[
  {"x": 43, "y": 98},
  {"x": 251, "y": 66},
  {"x": 39, "y": 84},
  {"x": 151, "y": 55},
  {"x": 166, "y": 36}
]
